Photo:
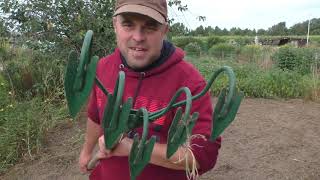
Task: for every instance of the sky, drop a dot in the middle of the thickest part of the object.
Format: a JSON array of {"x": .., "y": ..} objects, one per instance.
[{"x": 251, "y": 14}]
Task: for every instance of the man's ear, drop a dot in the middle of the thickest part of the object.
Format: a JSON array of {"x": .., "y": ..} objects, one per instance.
[
  {"x": 166, "y": 28},
  {"x": 114, "y": 21}
]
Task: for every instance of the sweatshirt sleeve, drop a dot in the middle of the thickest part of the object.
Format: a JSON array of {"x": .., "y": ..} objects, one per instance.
[
  {"x": 92, "y": 109},
  {"x": 204, "y": 150}
]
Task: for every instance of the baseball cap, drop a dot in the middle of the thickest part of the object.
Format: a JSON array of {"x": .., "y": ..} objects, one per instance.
[{"x": 156, "y": 9}]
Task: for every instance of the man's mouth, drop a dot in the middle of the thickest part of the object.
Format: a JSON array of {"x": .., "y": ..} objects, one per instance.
[
  {"x": 138, "y": 52},
  {"x": 138, "y": 49}
]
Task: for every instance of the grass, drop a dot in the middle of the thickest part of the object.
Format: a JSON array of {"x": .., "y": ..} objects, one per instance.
[
  {"x": 259, "y": 82},
  {"x": 23, "y": 126},
  {"x": 27, "y": 114}
]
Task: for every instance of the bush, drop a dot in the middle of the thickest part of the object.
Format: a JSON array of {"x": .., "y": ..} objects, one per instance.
[
  {"x": 256, "y": 82},
  {"x": 223, "y": 50},
  {"x": 30, "y": 104},
  {"x": 183, "y": 41},
  {"x": 22, "y": 129},
  {"x": 252, "y": 53},
  {"x": 34, "y": 73},
  {"x": 315, "y": 40},
  {"x": 272, "y": 83},
  {"x": 193, "y": 49},
  {"x": 4, "y": 93},
  {"x": 214, "y": 40},
  {"x": 295, "y": 59}
]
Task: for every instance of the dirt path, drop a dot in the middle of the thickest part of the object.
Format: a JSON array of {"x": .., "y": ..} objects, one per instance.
[{"x": 269, "y": 139}]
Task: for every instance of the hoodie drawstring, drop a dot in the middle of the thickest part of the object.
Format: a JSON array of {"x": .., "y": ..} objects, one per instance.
[{"x": 142, "y": 74}]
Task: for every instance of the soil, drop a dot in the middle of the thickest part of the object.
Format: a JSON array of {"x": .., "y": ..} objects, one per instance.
[{"x": 269, "y": 139}]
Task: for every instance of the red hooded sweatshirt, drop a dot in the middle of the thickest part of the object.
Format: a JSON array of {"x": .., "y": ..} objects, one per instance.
[{"x": 153, "y": 90}]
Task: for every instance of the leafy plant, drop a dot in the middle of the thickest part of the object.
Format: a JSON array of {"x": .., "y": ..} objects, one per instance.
[
  {"x": 183, "y": 41},
  {"x": 223, "y": 50},
  {"x": 193, "y": 49},
  {"x": 295, "y": 59}
]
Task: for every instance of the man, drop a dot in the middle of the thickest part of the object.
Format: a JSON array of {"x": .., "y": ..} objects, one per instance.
[{"x": 154, "y": 71}]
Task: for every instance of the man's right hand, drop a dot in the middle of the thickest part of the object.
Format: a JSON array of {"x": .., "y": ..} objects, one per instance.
[
  {"x": 84, "y": 159},
  {"x": 93, "y": 132}
]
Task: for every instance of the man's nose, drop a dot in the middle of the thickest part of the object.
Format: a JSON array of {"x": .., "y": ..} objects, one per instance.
[{"x": 138, "y": 35}]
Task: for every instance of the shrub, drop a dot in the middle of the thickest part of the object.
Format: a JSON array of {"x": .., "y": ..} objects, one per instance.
[
  {"x": 36, "y": 80},
  {"x": 214, "y": 40},
  {"x": 223, "y": 50},
  {"x": 315, "y": 40},
  {"x": 252, "y": 53},
  {"x": 4, "y": 93},
  {"x": 22, "y": 128},
  {"x": 183, "y": 41},
  {"x": 296, "y": 59},
  {"x": 193, "y": 49},
  {"x": 241, "y": 40},
  {"x": 256, "y": 82},
  {"x": 34, "y": 73}
]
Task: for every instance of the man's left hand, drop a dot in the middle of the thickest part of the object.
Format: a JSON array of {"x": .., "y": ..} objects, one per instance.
[{"x": 121, "y": 149}]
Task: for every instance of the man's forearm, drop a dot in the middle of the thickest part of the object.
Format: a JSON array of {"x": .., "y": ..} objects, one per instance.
[
  {"x": 93, "y": 131},
  {"x": 177, "y": 160}
]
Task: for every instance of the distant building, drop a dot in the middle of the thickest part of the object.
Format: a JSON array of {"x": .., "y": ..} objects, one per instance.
[{"x": 297, "y": 42}]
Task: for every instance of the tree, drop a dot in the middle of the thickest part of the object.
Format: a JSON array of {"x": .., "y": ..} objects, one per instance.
[
  {"x": 302, "y": 28},
  {"x": 279, "y": 29},
  {"x": 178, "y": 29},
  {"x": 62, "y": 23},
  {"x": 261, "y": 32},
  {"x": 235, "y": 31},
  {"x": 225, "y": 32},
  {"x": 200, "y": 31},
  {"x": 3, "y": 29}
]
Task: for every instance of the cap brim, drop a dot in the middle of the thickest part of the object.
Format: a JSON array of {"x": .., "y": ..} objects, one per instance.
[{"x": 144, "y": 10}]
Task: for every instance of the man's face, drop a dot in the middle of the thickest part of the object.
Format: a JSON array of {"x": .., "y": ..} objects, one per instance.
[{"x": 139, "y": 38}]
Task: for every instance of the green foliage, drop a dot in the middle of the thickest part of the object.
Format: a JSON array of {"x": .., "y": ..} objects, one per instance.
[
  {"x": 279, "y": 29},
  {"x": 214, "y": 40},
  {"x": 252, "y": 53},
  {"x": 295, "y": 59},
  {"x": 241, "y": 40},
  {"x": 178, "y": 29},
  {"x": 256, "y": 82},
  {"x": 223, "y": 50},
  {"x": 31, "y": 101},
  {"x": 33, "y": 73},
  {"x": 270, "y": 84},
  {"x": 193, "y": 49},
  {"x": 315, "y": 40},
  {"x": 62, "y": 24},
  {"x": 3, "y": 29},
  {"x": 302, "y": 28},
  {"x": 183, "y": 41},
  {"x": 22, "y": 128},
  {"x": 4, "y": 93}
]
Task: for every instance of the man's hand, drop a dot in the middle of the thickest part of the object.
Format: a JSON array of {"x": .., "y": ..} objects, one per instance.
[
  {"x": 84, "y": 159},
  {"x": 93, "y": 131},
  {"x": 122, "y": 148}
]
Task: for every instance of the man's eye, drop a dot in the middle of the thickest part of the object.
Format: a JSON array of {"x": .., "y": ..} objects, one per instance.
[
  {"x": 152, "y": 28},
  {"x": 127, "y": 25}
]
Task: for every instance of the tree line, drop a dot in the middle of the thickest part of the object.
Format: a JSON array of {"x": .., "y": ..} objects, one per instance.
[
  {"x": 280, "y": 29},
  {"x": 59, "y": 26}
]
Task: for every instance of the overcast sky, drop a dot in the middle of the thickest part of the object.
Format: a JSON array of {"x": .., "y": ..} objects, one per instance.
[{"x": 252, "y": 14}]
